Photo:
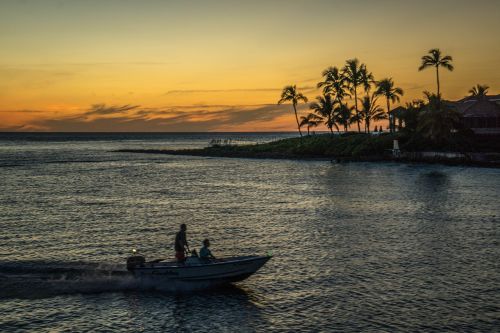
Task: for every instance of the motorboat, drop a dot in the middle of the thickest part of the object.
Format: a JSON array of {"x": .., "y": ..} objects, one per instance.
[{"x": 194, "y": 272}]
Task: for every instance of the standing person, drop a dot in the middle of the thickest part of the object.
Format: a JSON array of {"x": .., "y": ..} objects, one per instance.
[{"x": 181, "y": 244}]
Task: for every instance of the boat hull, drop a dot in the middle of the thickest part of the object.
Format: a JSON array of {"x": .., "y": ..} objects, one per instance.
[{"x": 190, "y": 276}]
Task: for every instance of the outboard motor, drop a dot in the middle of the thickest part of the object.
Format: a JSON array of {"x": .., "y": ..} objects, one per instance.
[{"x": 135, "y": 261}]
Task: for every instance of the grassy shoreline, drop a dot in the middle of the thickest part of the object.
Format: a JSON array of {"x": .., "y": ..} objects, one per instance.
[{"x": 349, "y": 147}]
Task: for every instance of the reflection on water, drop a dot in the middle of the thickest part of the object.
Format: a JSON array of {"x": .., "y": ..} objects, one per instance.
[
  {"x": 202, "y": 311},
  {"x": 357, "y": 247}
]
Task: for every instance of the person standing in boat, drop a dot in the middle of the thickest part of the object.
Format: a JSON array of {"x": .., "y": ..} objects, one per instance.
[
  {"x": 205, "y": 253},
  {"x": 181, "y": 244}
]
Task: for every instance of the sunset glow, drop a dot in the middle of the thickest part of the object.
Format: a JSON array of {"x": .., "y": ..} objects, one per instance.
[{"x": 220, "y": 65}]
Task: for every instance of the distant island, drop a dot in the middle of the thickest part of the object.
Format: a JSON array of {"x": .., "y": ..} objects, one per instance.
[
  {"x": 424, "y": 130},
  {"x": 351, "y": 147}
]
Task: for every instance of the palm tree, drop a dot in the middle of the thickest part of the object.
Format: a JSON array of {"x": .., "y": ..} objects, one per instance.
[
  {"x": 343, "y": 115},
  {"x": 437, "y": 121},
  {"x": 353, "y": 74},
  {"x": 324, "y": 107},
  {"x": 371, "y": 111},
  {"x": 435, "y": 59},
  {"x": 334, "y": 83},
  {"x": 311, "y": 120},
  {"x": 367, "y": 79},
  {"x": 479, "y": 90},
  {"x": 386, "y": 88},
  {"x": 290, "y": 94}
]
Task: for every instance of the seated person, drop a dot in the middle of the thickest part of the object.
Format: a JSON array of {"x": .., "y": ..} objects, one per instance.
[{"x": 205, "y": 253}]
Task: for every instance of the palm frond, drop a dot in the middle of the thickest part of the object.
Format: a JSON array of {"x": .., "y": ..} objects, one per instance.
[
  {"x": 435, "y": 59},
  {"x": 448, "y": 66},
  {"x": 300, "y": 97},
  {"x": 479, "y": 90}
]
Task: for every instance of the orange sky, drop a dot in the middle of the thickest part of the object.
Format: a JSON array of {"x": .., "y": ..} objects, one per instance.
[{"x": 220, "y": 65}]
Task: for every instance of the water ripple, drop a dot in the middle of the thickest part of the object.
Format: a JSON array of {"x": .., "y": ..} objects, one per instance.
[{"x": 357, "y": 247}]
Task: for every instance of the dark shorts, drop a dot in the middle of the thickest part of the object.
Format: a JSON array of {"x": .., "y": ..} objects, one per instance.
[{"x": 180, "y": 256}]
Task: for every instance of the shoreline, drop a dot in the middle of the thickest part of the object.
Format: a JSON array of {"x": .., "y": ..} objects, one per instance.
[
  {"x": 348, "y": 148},
  {"x": 204, "y": 152},
  {"x": 373, "y": 159}
]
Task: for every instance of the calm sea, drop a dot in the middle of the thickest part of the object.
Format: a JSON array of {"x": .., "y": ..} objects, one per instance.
[{"x": 357, "y": 247}]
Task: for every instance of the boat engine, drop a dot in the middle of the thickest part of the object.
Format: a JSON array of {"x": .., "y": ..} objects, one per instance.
[{"x": 134, "y": 261}]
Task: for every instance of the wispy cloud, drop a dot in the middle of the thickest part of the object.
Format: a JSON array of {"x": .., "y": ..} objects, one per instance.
[
  {"x": 100, "y": 117},
  {"x": 197, "y": 91},
  {"x": 412, "y": 86},
  {"x": 102, "y": 109}
]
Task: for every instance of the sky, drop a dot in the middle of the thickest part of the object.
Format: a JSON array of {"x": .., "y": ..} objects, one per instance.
[{"x": 206, "y": 65}]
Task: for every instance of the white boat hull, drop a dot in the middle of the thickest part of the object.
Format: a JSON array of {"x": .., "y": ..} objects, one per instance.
[{"x": 197, "y": 275}]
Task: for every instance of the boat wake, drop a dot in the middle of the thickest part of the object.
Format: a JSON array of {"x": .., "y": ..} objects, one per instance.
[
  {"x": 32, "y": 280},
  {"x": 45, "y": 279}
]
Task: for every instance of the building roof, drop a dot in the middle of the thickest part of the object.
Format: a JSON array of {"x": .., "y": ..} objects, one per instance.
[
  {"x": 471, "y": 99},
  {"x": 476, "y": 106},
  {"x": 459, "y": 106},
  {"x": 397, "y": 111},
  {"x": 481, "y": 108}
]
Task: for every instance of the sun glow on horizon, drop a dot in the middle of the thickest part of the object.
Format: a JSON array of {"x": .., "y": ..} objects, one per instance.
[{"x": 220, "y": 66}]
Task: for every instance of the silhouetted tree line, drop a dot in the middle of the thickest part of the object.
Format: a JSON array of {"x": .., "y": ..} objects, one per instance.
[{"x": 350, "y": 96}]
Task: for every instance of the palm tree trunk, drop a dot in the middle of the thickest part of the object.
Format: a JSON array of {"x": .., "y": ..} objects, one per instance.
[
  {"x": 308, "y": 130},
  {"x": 356, "y": 107},
  {"x": 437, "y": 78},
  {"x": 389, "y": 114},
  {"x": 339, "y": 100},
  {"x": 367, "y": 122},
  {"x": 330, "y": 125},
  {"x": 297, "y": 118}
]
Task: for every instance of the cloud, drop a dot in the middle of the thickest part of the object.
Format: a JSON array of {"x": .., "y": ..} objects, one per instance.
[
  {"x": 102, "y": 109},
  {"x": 197, "y": 91},
  {"x": 133, "y": 118},
  {"x": 413, "y": 86}
]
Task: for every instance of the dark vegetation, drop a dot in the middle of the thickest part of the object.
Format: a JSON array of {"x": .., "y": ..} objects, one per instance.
[
  {"x": 351, "y": 98},
  {"x": 348, "y": 146}
]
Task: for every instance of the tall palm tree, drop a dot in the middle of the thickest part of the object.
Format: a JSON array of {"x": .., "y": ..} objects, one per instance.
[
  {"x": 436, "y": 59},
  {"x": 290, "y": 94},
  {"x": 324, "y": 107},
  {"x": 343, "y": 115},
  {"x": 366, "y": 81},
  {"x": 353, "y": 74},
  {"x": 334, "y": 83},
  {"x": 392, "y": 94},
  {"x": 311, "y": 120},
  {"x": 479, "y": 90},
  {"x": 371, "y": 111}
]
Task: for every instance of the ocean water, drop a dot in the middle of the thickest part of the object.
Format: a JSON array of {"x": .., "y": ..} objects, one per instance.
[{"x": 357, "y": 247}]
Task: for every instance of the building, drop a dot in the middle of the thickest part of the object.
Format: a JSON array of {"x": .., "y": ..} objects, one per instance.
[{"x": 480, "y": 113}]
